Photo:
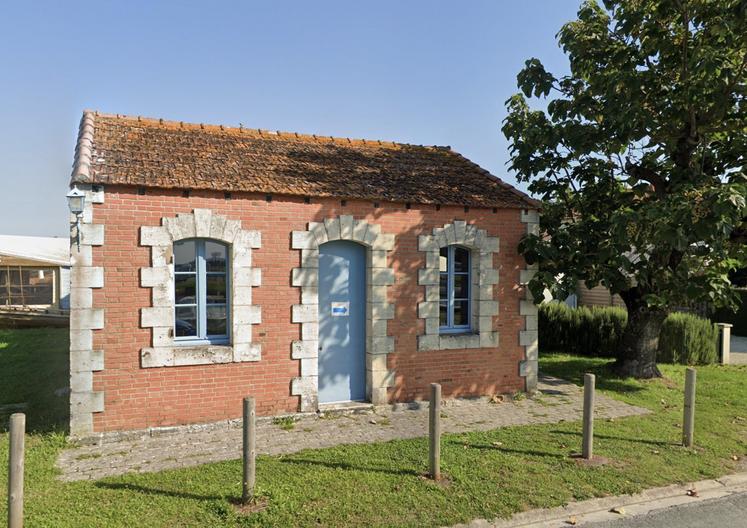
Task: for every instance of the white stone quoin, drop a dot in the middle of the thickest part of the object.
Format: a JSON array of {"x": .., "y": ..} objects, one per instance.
[
  {"x": 529, "y": 337},
  {"x": 85, "y": 318}
]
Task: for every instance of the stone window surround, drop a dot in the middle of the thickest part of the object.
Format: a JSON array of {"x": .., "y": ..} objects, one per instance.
[
  {"x": 201, "y": 223},
  {"x": 529, "y": 337},
  {"x": 484, "y": 278},
  {"x": 379, "y": 276}
]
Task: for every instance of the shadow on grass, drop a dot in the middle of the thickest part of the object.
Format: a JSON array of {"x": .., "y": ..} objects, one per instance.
[
  {"x": 573, "y": 370},
  {"x": 351, "y": 467},
  {"x": 118, "y": 486},
  {"x": 659, "y": 443},
  {"x": 503, "y": 449}
]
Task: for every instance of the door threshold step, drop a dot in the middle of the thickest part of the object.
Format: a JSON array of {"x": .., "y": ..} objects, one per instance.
[{"x": 346, "y": 407}]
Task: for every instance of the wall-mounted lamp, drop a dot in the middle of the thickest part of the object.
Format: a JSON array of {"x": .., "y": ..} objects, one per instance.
[{"x": 76, "y": 203}]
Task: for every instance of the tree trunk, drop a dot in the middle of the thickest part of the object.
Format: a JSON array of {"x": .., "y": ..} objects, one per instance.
[{"x": 640, "y": 341}]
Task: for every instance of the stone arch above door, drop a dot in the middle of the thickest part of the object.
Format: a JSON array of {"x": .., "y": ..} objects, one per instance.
[{"x": 379, "y": 276}]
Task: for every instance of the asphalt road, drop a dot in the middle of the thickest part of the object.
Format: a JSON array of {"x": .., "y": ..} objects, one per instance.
[{"x": 726, "y": 512}]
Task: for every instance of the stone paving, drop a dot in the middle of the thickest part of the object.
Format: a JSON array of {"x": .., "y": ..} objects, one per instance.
[
  {"x": 738, "y": 350},
  {"x": 159, "y": 449}
]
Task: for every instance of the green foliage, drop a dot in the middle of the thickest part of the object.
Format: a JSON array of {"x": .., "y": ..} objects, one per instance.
[
  {"x": 738, "y": 318},
  {"x": 638, "y": 155},
  {"x": 286, "y": 423},
  {"x": 592, "y": 332},
  {"x": 597, "y": 332},
  {"x": 688, "y": 340}
]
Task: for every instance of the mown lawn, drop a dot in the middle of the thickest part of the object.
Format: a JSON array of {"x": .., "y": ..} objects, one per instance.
[
  {"x": 34, "y": 370},
  {"x": 491, "y": 474}
]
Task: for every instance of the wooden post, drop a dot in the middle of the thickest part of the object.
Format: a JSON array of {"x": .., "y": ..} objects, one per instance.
[
  {"x": 688, "y": 422},
  {"x": 15, "y": 470},
  {"x": 587, "y": 450},
  {"x": 250, "y": 435},
  {"x": 434, "y": 432}
]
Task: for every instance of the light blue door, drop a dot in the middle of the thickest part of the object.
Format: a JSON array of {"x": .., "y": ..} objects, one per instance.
[{"x": 342, "y": 322}]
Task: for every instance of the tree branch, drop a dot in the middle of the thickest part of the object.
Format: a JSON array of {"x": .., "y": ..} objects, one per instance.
[
  {"x": 739, "y": 235},
  {"x": 644, "y": 173}
]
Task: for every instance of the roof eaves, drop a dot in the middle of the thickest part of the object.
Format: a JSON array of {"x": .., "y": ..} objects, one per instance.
[
  {"x": 35, "y": 258},
  {"x": 531, "y": 202}
]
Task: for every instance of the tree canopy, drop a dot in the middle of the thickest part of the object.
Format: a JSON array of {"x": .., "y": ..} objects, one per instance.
[
  {"x": 639, "y": 154},
  {"x": 639, "y": 158}
]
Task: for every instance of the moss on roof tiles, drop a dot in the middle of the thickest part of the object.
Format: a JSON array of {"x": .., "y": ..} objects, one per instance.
[{"x": 166, "y": 154}]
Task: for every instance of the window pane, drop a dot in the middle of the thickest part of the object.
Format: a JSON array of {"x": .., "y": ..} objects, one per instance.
[
  {"x": 216, "y": 289},
  {"x": 461, "y": 259},
  {"x": 461, "y": 313},
  {"x": 443, "y": 259},
  {"x": 186, "y": 321},
  {"x": 442, "y": 311},
  {"x": 184, "y": 256},
  {"x": 27, "y": 286},
  {"x": 184, "y": 289},
  {"x": 4, "y": 279},
  {"x": 443, "y": 287},
  {"x": 37, "y": 285},
  {"x": 461, "y": 286},
  {"x": 216, "y": 320},
  {"x": 215, "y": 256}
]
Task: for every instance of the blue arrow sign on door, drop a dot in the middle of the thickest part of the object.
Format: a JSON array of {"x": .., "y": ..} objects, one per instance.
[{"x": 340, "y": 309}]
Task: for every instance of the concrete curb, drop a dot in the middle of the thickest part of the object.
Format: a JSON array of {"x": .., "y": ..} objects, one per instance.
[{"x": 598, "y": 510}]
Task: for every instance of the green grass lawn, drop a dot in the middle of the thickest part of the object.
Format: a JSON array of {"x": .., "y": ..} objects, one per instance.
[
  {"x": 34, "y": 370},
  {"x": 490, "y": 474}
]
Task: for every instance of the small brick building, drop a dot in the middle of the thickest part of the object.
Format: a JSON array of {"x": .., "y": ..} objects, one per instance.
[{"x": 218, "y": 262}]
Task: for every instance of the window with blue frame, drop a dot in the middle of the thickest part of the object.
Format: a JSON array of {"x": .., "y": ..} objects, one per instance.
[
  {"x": 201, "y": 292},
  {"x": 454, "y": 289}
]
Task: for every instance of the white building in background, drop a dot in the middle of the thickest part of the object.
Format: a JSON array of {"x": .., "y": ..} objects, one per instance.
[{"x": 34, "y": 272}]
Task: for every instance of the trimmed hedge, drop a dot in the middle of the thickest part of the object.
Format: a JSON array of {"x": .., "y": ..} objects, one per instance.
[
  {"x": 597, "y": 332},
  {"x": 688, "y": 340},
  {"x": 586, "y": 331}
]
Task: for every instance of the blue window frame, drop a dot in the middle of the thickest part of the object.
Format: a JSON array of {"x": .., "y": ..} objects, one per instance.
[
  {"x": 201, "y": 292},
  {"x": 454, "y": 290}
]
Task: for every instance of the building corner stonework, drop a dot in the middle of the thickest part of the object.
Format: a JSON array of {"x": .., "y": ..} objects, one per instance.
[
  {"x": 529, "y": 337},
  {"x": 85, "y": 318}
]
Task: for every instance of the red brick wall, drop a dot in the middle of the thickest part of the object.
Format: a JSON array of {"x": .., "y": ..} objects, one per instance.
[{"x": 136, "y": 398}]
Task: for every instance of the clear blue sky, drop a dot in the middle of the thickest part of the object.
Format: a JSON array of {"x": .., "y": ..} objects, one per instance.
[{"x": 425, "y": 72}]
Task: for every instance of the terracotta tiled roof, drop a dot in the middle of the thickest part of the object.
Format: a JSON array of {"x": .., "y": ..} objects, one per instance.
[{"x": 156, "y": 153}]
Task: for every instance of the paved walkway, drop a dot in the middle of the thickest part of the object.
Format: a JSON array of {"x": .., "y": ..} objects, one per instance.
[
  {"x": 738, "y": 350},
  {"x": 557, "y": 401}
]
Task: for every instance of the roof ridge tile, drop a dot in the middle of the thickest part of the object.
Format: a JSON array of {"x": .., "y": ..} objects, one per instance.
[
  {"x": 238, "y": 129},
  {"x": 84, "y": 148}
]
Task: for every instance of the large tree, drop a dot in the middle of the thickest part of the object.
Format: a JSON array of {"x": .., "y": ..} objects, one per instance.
[{"x": 640, "y": 158}]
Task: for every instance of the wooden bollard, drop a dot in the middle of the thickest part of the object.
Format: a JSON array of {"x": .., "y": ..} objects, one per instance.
[
  {"x": 434, "y": 432},
  {"x": 15, "y": 470},
  {"x": 587, "y": 448},
  {"x": 249, "y": 452},
  {"x": 688, "y": 421}
]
